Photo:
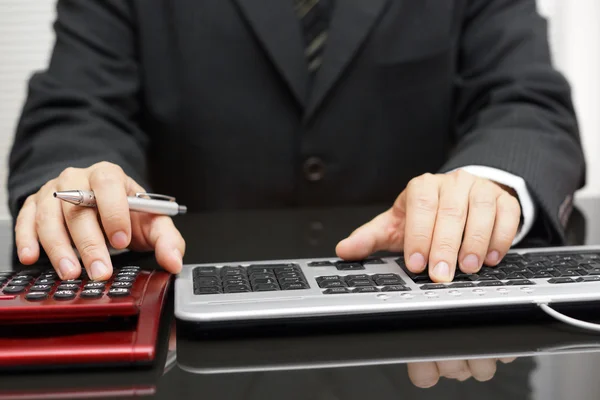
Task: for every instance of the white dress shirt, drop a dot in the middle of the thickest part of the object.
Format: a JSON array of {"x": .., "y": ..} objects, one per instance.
[{"x": 528, "y": 210}]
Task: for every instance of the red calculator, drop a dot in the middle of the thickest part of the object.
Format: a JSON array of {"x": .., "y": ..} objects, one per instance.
[{"x": 46, "y": 321}]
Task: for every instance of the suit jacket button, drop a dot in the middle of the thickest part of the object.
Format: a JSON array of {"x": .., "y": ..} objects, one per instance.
[{"x": 314, "y": 169}]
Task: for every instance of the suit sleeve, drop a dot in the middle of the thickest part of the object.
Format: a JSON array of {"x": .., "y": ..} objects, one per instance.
[
  {"x": 514, "y": 110},
  {"x": 83, "y": 108}
]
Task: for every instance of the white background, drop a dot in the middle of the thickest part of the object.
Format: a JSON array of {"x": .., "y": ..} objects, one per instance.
[{"x": 26, "y": 38}]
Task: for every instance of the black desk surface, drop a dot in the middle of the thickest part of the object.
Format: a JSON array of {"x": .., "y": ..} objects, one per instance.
[{"x": 556, "y": 362}]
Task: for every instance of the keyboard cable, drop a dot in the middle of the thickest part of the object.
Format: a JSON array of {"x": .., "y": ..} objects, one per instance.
[{"x": 568, "y": 320}]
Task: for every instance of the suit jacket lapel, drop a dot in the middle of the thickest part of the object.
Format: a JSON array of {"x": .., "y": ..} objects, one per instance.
[
  {"x": 351, "y": 22},
  {"x": 279, "y": 30}
]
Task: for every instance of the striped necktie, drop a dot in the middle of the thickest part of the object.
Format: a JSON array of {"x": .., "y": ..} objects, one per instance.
[{"x": 314, "y": 16}]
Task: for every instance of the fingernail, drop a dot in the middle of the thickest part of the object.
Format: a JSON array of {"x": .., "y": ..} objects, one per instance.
[
  {"x": 98, "y": 270},
  {"x": 471, "y": 262},
  {"x": 416, "y": 261},
  {"x": 25, "y": 252},
  {"x": 442, "y": 271},
  {"x": 493, "y": 257},
  {"x": 178, "y": 255},
  {"x": 65, "y": 268},
  {"x": 119, "y": 239}
]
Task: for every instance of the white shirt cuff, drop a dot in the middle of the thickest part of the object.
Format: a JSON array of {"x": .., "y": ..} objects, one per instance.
[{"x": 528, "y": 210}]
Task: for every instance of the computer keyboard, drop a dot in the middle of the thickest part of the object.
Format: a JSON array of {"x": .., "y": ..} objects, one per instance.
[{"x": 305, "y": 288}]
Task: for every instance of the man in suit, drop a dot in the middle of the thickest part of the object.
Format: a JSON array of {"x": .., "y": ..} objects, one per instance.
[{"x": 450, "y": 111}]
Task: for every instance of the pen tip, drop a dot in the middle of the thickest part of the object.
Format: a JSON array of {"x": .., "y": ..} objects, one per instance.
[{"x": 54, "y": 194}]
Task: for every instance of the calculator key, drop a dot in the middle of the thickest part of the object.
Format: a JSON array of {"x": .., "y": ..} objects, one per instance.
[
  {"x": 349, "y": 266},
  {"x": 118, "y": 292},
  {"x": 91, "y": 293},
  {"x": 45, "y": 281},
  {"x": 127, "y": 273},
  {"x": 124, "y": 279},
  {"x": 121, "y": 284},
  {"x": 6, "y": 273},
  {"x": 337, "y": 290},
  {"x": 73, "y": 281},
  {"x": 266, "y": 287},
  {"x": 19, "y": 282},
  {"x": 294, "y": 286},
  {"x": 395, "y": 288},
  {"x": 131, "y": 267},
  {"x": 320, "y": 264},
  {"x": 365, "y": 289},
  {"x": 331, "y": 284},
  {"x": 64, "y": 294},
  {"x": 68, "y": 286},
  {"x": 207, "y": 290},
  {"x": 40, "y": 288},
  {"x": 36, "y": 296},
  {"x": 29, "y": 272},
  {"x": 95, "y": 285},
  {"x": 13, "y": 289},
  {"x": 24, "y": 277}
]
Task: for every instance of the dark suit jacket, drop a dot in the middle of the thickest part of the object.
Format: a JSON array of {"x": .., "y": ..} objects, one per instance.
[{"x": 208, "y": 100}]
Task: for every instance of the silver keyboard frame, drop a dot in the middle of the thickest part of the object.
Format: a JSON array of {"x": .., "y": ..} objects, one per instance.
[{"x": 313, "y": 303}]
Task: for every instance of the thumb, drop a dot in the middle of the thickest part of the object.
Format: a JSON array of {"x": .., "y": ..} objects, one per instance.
[{"x": 385, "y": 232}]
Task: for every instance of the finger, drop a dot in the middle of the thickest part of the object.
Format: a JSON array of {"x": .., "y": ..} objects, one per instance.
[
  {"x": 507, "y": 360},
  {"x": 454, "y": 369},
  {"x": 423, "y": 374},
  {"x": 54, "y": 236},
  {"x": 449, "y": 226},
  {"x": 479, "y": 225},
  {"x": 158, "y": 232},
  {"x": 384, "y": 232},
  {"x": 109, "y": 186},
  {"x": 26, "y": 238},
  {"x": 84, "y": 227},
  {"x": 508, "y": 216},
  {"x": 422, "y": 199},
  {"x": 482, "y": 369}
]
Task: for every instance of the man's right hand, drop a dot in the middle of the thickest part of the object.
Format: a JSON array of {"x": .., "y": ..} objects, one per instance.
[{"x": 58, "y": 225}]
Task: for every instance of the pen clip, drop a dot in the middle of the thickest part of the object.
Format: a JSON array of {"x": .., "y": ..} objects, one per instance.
[{"x": 155, "y": 196}]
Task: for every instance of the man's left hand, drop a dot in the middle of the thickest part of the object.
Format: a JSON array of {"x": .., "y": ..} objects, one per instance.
[{"x": 440, "y": 221}]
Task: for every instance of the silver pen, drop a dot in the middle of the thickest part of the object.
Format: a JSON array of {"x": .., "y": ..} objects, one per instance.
[{"x": 143, "y": 202}]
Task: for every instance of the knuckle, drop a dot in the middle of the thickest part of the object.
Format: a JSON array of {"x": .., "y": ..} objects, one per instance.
[
  {"x": 452, "y": 211},
  {"x": 113, "y": 219},
  {"x": 419, "y": 237},
  {"x": 478, "y": 239},
  {"x": 447, "y": 246},
  {"x": 88, "y": 247},
  {"x": 511, "y": 205},
  {"x": 106, "y": 176},
  {"x": 69, "y": 174},
  {"x": 482, "y": 198}
]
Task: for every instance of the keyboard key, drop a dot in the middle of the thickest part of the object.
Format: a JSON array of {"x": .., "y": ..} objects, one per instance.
[
  {"x": 365, "y": 289},
  {"x": 544, "y": 274},
  {"x": 423, "y": 278},
  {"x": 388, "y": 281},
  {"x": 36, "y": 296},
  {"x": 373, "y": 261},
  {"x": 64, "y": 294},
  {"x": 122, "y": 284},
  {"x": 68, "y": 286},
  {"x": 266, "y": 287},
  {"x": 91, "y": 293},
  {"x": 462, "y": 285},
  {"x": 491, "y": 283},
  {"x": 561, "y": 280},
  {"x": 118, "y": 292},
  {"x": 389, "y": 276},
  {"x": 270, "y": 281},
  {"x": 262, "y": 276},
  {"x": 360, "y": 282},
  {"x": 205, "y": 281},
  {"x": 482, "y": 278},
  {"x": 236, "y": 288},
  {"x": 349, "y": 266},
  {"x": 294, "y": 286},
  {"x": 320, "y": 264},
  {"x": 203, "y": 271},
  {"x": 465, "y": 277},
  {"x": 432, "y": 286},
  {"x": 520, "y": 282},
  {"x": 260, "y": 270},
  {"x": 589, "y": 279},
  {"x": 328, "y": 278},
  {"x": 279, "y": 270},
  {"x": 13, "y": 289},
  {"x": 567, "y": 271},
  {"x": 291, "y": 280},
  {"x": 331, "y": 284},
  {"x": 395, "y": 288},
  {"x": 40, "y": 288},
  {"x": 357, "y": 276},
  {"x": 207, "y": 290},
  {"x": 284, "y": 275},
  {"x": 337, "y": 290},
  {"x": 233, "y": 271}
]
